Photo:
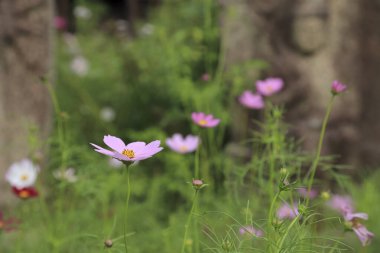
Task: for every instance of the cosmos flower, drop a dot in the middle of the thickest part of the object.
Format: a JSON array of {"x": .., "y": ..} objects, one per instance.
[
  {"x": 26, "y": 192},
  {"x": 269, "y": 86},
  {"x": 304, "y": 193},
  {"x": 362, "y": 233},
  {"x": 183, "y": 145},
  {"x": 204, "y": 120},
  {"x": 287, "y": 212},
  {"x": 79, "y": 65},
  {"x": 205, "y": 77},
  {"x": 107, "y": 114},
  {"x": 337, "y": 87},
  {"x": 82, "y": 12},
  {"x": 22, "y": 174},
  {"x": 251, "y": 230},
  {"x": 60, "y": 23},
  {"x": 251, "y": 100},
  {"x": 342, "y": 204},
  {"x": 135, "y": 151},
  {"x": 66, "y": 175}
]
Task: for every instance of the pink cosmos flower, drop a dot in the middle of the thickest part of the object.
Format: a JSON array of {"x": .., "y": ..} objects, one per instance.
[
  {"x": 287, "y": 212},
  {"x": 251, "y": 100},
  {"x": 205, "y": 77},
  {"x": 251, "y": 230},
  {"x": 204, "y": 120},
  {"x": 183, "y": 145},
  {"x": 60, "y": 23},
  {"x": 337, "y": 87},
  {"x": 135, "y": 151},
  {"x": 269, "y": 86},
  {"x": 362, "y": 233},
  {"x": 342, "y": 204},
  {"x": 304, "y": 193}
]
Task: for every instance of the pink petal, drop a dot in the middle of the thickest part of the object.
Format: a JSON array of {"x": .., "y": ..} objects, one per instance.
[
  {"x": 102, "y": 150},
  {"x": 115, "y": 143}
]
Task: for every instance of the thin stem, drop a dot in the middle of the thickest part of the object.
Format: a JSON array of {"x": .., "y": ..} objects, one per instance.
[
  {"x": 189, "y": 220},
  {"x": 287, "y": 232},
  {"x": 126, "y": 209},
  {"x": 319, "y": 149},
  {"x": 271, "y": 210}
]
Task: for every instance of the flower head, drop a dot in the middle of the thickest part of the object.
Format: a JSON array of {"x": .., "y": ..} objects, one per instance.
[
  {"x": 183, "y": 145},
  {"x": 66, "y": 175},
  {"x": 79, "y": 65},
  {"x": 363, "y": 234},
  {"x": 251, "y": 100},
  {"x": 304, "y": 193},
  {"x": 251, "y": 230},
  {"x": 342, "y": 204},
  {"x": 135, "y": 151},
  {"x": 269, "y": 86},
  {"x": 25, "y": 193},
  {"x": 337, "y": 87},
  {"x": 287, "y": 212},
  {"x": 205, "y": 77},
  {"x": 60, "y": 23},
  {"x": 22, "y": 174},
  {"x": 107, "y": 114},
  {"x": 204, "y": 120}
]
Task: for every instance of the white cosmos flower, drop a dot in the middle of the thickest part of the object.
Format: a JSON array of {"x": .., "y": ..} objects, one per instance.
[{"x": 22, "y": 174}]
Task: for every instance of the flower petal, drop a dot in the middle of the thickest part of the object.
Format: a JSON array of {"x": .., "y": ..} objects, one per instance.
[{"x": 115, "y": 143}]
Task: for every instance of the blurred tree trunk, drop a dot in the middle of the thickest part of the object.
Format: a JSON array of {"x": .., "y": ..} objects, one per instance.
[
  {"x": 310, "y": 44},
  {"x": 25, "y": 46}
]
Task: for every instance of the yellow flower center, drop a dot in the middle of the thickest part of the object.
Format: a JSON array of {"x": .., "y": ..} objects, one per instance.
[
  {"x": 1, "y": 224},
  {"x": 129, "y": 153},
  {"x": 202, "y": 122},
  {"x": 24, "y": 194},
  {"x": 183, "y": 148},
  {"x": 24, "y": 177}
]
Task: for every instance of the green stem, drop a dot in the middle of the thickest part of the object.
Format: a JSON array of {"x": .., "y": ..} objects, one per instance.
[
  {"x": 286, "y": 233},
  {"x": 270, "y": 216},
  {"x": 188, "y": 221},
  {"x": 319, "y": 149},
  {"x": 126, "y": 209}
]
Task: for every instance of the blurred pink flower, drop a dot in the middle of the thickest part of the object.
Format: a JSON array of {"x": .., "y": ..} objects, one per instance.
[
  {"x": 342, "y": 204},
  {"x": 304, "y": 193},
  {"x": 183, "y": 145},
  {"x": 60, "y": 23},
  {"x": 251, "y": 230},
  {"x": 269, "y": 86},
  {"x": 337, "y": 87},
  {"x": 204, "y": 120},
  {"x": 26, "y": 192},
  {"x": 251, "y": 100},
  {"x": 287, "y": 212},
  {"x": 205, "y": 77},
  {"x": 362, "y": 233},
  {"x": 134, "y": 151}
]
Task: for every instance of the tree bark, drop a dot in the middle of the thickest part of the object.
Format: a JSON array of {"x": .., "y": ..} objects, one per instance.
[{"x": 25, "y": 44}]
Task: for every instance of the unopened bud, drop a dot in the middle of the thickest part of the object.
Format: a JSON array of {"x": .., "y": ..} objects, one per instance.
[
  {"x": 108, "y": 243},
  {"x": 325, "y": 195},
  {"x": 198, "y": 184}
]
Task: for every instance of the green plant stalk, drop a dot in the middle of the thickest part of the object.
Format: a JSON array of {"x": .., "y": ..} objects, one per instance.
[
  {"x": 319, "y": 148},
  {"x": 287, "y": 232},
  {"x": 270, "y": 215},
  {"x": 189, "y": 220},
  {"x": 126, "y": 209}
]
